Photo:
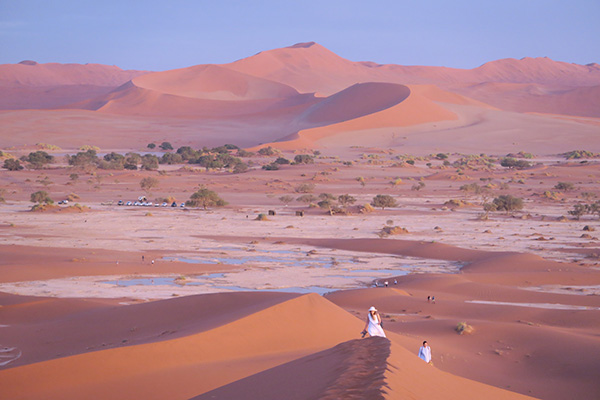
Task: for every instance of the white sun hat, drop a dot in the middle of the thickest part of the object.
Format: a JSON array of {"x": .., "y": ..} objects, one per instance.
[{"x": 372, "y": 308}]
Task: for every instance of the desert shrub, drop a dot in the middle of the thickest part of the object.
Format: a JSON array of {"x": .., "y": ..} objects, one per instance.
[
  {"x": 72, "y": 197},
  {"x": 472, "y": 188},
  {"x": 418, "y": 186},
  {"x": 12, "y": 164},
  {"x": 306, "y": 198},
  {"x": 441, "y": 156},
  {"x": 578, "y": 210},
  {"x": 240, "y": 167},
  {"x": 361, "y": 180},
  {"x": 454, "y": 203},
  {"x": 577, "y": 154},
  {"x": 282, "y": 161},
  {"x": 151, "y": 146},
  {"x": 513, "y": 163},
  {"x": 383, "y": 201},
  {"x": 41, "y": 197},
  {"x": 411, "y": 162},
  {"x": 87, "y": 147},
  {"x": 396, "y": 181},
  {"x": 38, "y": 159},
  {"x": 187, "y": 153},
  {"x": 464, "y": 329},
  {"x": 46, "y": 146},
  {"x": 205, "y": 198},
  {"x": 286, "y": 199},
  {"x": 269, "y": 151},
  {"x": 149, "y": 162},
  {"x": 244, "y": 153},
  {"x": 83, "y": 159},
  {"x": 508, "y": 203},
  {"x": 304, "y": 188},
  {"x": 166, "y": 146},
  {"x": 149, "y": 183},
  {"x": 304, "y": 159},
  {"x": 345, "y": 200},
  {"x": 271, "y": 167},
  {"x": 367, "y": 208},
  {"x": 392, "y": 230},
  {"x": 171, "y": 158},
  {"x": 261, "y": 217},
  {"x": 564, "y": 186}
]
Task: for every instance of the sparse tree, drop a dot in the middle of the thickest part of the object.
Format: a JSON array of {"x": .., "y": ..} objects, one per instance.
[
  {"x": 578, "y": 210},
  {"x": 564, "y": 186},
  {"x": 345, "y": 200},
  {"x": 151, "y": 146},
  {"x": 361, "y": 180},
  {"x": 149, "y": 183},
  {"x": 304, "y": 159},
  {"x": 205, "y": 198},
  {"x": 508, "y": 203},
  {"x": 12, "y": 164},
  {"x": 306, "y": 198},
  {"x": 304, "y": 188},
  {"x": 166, "y": 146},
  {"x": 40, "y": 197},
  {"x": 286, "y": 199},
  {"x": 383, "y": 201}
]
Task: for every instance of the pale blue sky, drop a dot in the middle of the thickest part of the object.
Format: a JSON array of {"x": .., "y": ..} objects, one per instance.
[{"x": 167, "y": 34}]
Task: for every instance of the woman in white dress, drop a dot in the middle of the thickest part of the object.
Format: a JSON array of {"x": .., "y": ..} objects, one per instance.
[{"x": 373, "y": 324}]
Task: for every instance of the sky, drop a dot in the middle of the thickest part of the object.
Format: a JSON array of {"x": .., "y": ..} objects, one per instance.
[{"x": 167, "y": 34}]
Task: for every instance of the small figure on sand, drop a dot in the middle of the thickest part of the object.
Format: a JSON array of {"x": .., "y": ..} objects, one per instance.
[
  {"x": 386, "y": 283},
  {"x": 152, "y": 261},
  {"x": 433, "y": 299},
  {"x": 395, "y": 282},
  {"x": 425, "y": 352},
  {"x": 373, "y": 325},
  {"x": 429, "y": 299},
  {"x": 142, "y": 258}
]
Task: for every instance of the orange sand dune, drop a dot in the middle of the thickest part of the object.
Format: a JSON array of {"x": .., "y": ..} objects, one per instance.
[
  {"x": 213, "y": 82},
  {"x": 416, "y": 109},
  {"x": 355, "y": 102},
  {"x": 187, "y": 366},
  {"x": 527, "y": 97},
  {"x": 372, "y": 368},
  {"x": 54, "y": 74}
]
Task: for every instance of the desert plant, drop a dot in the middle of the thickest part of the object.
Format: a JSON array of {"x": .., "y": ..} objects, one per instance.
[
  {"x": 508, "y": 203},
  {"x": 345, "y": 200},
  {"x": 304, "y": 188},
  {"x": 268, "y": 151},
  {"x": 149, "y": 162},
  {"x": 578, "y": 210},
  {"x": 286, "y": 199},
  {"x": 304, "y": 159},
  {"x": 261, "y": 217},
  {"x": 12, "y": 164},
  {"x": 149, "y": 183},
  {"x": 383, "y": 201},
  {"x": 151, "y": 146},
  {"x": 306, "y": 198},
  {"x": 513, "y": 163},
  {"x": 564, "y": 186},
  {"x": 282, "y": 161},
  {"x": 392, "y": 230},
  {"x": 418, "y": 186},
  {"x": 41, "y": 197},
  {"x": 205, "y": 198},
  {"x": 361, "y": 180},
  {"x": 38, "y": 159},
  {"x": 464, "y": 329},
  {"x": 166, "y": 146},
  {"x": 271, "y": 167}
]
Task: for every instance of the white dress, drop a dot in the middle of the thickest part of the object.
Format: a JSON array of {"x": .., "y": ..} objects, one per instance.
[
  {"x": 374, "y": 328},
  {"x": 425, "y": 353}
]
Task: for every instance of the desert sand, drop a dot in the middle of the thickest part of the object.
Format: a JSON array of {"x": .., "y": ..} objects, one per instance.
[{"x": 104, "y": 300}]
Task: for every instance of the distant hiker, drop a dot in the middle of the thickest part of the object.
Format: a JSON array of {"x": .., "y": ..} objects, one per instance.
[
  {"x": 395, "y": 282},
  {"x": 152, "y": 261},
  {"x": 433, "y": 299},
  {"x": 425, "y": 352},
  {"x": 373, "y": 324},
  {"x": 142, "y": 258},
  {"x": 429, "y": 299},
  {"x": 386, "y": 283}
]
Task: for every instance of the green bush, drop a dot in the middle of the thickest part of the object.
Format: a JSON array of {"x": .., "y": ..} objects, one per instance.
[{"x": 383, "y": 201}]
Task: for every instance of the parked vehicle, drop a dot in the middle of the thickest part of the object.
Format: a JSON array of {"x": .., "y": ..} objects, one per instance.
[
  {"x": 129, "y": 203},
  {"x": 182, "y": 205},
  {"x": 174, "y": 204},
  {"x": 121, "y": 202},
  {"x": 165, "y": 204}
]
